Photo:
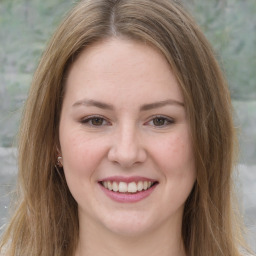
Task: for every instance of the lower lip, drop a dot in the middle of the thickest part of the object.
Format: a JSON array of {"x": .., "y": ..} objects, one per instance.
[{"x": 128, "y": 197}]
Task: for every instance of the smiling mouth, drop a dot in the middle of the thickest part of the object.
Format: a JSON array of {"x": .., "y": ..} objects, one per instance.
[{"x": 124, "y": 187}]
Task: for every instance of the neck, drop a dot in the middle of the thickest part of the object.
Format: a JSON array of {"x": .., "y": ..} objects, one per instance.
[{"x": 156, "y": 242}]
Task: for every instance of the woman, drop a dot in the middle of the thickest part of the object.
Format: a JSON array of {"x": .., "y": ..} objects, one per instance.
[{"x": 127, "y": 143}]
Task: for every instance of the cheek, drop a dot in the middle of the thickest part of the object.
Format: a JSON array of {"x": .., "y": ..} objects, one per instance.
[
  {"x": 81, "y": 154},
  {"x": 178, "y": 168},
  {"x": 175, "y": 160},
  {"x": 81, "y": 159},
  {"x": 175, "y": 152}
]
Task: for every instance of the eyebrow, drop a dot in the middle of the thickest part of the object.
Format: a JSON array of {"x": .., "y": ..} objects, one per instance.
[
  {"x": 93, "y": 103},
  {"x": 145, "y": 107},
  {"x": 161, "y": 104}
]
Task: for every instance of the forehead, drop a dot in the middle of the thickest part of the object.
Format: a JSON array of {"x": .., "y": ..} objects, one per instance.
[{"x": 124, "y": 67}]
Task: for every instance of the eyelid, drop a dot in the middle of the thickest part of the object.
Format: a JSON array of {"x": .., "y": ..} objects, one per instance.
[
  {"x": 87, "y": 119},
  {"x": 170, "y": 120}
]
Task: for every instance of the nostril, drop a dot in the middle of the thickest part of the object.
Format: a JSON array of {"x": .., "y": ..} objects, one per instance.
[{"x": 127, "y": 158}]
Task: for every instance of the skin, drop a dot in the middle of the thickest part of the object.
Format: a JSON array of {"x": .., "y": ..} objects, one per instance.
[{"x": 122, "y": 136}]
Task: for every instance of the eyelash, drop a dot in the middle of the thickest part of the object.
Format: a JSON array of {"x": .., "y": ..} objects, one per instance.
[
  {"x": 89, "y": 120},
  {"x": 167, "y": 121}
]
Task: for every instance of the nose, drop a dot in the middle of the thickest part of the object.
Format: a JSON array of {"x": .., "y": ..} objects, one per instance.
[{"x": 126, "y": 148}]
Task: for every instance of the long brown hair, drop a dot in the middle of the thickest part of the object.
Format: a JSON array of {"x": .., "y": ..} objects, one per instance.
[{"x": 46, "y": 221}]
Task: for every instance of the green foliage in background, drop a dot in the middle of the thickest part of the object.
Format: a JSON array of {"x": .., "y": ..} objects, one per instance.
[
  {"x": 26, "y": 26},
  {"x": 230, "y": 25}
]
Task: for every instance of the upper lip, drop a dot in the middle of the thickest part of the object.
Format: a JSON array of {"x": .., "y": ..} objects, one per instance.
[{"x": 127, "y": 179}]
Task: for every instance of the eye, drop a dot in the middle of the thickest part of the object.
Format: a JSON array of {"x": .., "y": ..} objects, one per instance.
[
  {"x": 95, "y": 121},
  {"x": 160, "y": 121}
]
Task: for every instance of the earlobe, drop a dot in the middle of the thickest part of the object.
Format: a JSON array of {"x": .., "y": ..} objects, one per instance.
[
  {"x": 59, "y": 161},
  {"x": 59, "y": 158}
]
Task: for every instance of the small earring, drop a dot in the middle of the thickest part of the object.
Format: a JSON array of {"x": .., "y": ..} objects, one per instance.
[{"x": 59, "y": 161}]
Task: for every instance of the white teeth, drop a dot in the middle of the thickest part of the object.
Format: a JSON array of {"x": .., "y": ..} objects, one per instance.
[
  {"x": 140, "y": 186},
  {"x": 105, "y": 184},
  {"x": 124, "y": 187},
  {"x": 109, "y": 185},
  {"x": 115, "y": 186},
  {"x": 132, "y": 187},
  {"x": 145, "y": 185}
]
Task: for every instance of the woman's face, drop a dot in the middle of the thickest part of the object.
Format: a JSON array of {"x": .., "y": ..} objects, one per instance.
[{"x": 125, "y": 140}]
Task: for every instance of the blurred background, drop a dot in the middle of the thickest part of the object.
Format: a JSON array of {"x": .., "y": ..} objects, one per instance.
[{"x": 230, "y": 25}]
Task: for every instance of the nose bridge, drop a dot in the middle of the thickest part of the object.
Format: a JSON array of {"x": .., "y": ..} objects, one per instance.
[
  {"x": 127, "y": 148},
  {"x": 127, "y": 136}
]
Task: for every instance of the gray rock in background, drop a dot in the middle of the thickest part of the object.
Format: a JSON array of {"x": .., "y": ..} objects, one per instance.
[
  {"x": 246, "y": 186},
  {"x": 8, "y": 173}
]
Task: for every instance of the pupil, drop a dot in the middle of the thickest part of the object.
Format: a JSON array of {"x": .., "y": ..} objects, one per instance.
[
  {"x": 97, "y": 121},
  {"x": 158, "y": 121}
]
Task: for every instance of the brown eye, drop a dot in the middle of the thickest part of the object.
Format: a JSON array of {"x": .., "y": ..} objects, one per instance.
[
  {"x": 97, "y": 121},
  {"x": 159, "y": 121}
]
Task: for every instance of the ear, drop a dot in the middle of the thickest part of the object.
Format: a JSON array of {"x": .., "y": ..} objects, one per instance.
[
  {"x": 59, "y": 156},
  {"x": 57, "y": 147},
  {"x": 60, "y": 161},
  {"x": 58, "y": 151}
]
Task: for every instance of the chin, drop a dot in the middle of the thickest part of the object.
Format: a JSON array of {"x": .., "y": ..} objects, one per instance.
[
  {"x": 128, "y": 230},
  {"x": 129, "y": 225}
]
